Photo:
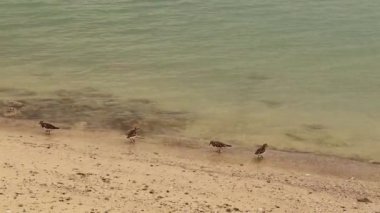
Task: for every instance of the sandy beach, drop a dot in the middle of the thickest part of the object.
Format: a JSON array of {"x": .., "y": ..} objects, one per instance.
[
  {"x": 300, "y": 76},
  {"x": 99, "y": 171}
]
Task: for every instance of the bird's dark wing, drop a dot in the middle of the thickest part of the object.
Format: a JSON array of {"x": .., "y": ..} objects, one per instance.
[
  {"x": 50, "y": 126},
  {"x": 220, "y": 144},
  {"x": 260, "y": 150},
  {"x": 131, "y": 133},
  {"x": 257, "y": 151}
]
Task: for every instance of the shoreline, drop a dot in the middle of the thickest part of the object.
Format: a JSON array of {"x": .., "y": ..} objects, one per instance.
[
  {"x": 96, "y": 171},
  {"x": 290, "y": 159},
  {"x": 91, "y": 109}
]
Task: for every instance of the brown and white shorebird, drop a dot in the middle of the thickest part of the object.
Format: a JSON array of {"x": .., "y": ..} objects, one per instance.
[
  {"x": 131, "y": 134},
  {"x": 260, "y": 151},
  {"x": 48, "y": 127},
  {"x": 218, "y": 145}
]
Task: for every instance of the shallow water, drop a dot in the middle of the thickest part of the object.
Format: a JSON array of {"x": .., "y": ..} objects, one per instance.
[{"x": 297, "y": 75}]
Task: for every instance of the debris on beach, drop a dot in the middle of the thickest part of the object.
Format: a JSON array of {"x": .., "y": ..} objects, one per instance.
[
  {"x": 374, "y": 162},
  {"x": 364, "y": 200}
]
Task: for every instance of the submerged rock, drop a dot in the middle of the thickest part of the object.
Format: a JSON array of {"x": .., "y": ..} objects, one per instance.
[
  {"x": 15, "y": 104},
  {"x": 16, "y": 92},
  {"x": 89, "y": 109},
  {"x": 11, "y": 112}
]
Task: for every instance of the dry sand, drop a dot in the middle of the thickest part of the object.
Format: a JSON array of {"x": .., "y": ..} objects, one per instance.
[{"x": 84, "y": 171}]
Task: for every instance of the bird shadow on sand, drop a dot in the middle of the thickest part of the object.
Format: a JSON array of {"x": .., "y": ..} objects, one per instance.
[
  {"x": 216, "y": 157},
  {"x": 257, "y": 160},
  {"x": 130, "y": 149}
]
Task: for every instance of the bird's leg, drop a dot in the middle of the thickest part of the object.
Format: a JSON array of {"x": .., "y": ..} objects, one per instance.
[
  {"x": 47, "y": 132},
  {"x": 219, "y": 149}
]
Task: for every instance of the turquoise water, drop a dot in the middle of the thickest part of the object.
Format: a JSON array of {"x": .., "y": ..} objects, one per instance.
[{"x": 298, "y": 75}]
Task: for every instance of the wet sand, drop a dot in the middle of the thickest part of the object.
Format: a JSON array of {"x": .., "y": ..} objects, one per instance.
[{"x": 99, "y": 171}]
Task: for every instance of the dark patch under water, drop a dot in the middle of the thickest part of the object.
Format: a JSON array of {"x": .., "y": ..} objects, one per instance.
[
  {"x": 272, "y": 104},
  {"x": 16, "y": 92},
  {"x": 96, "y": 110},
  {"x": 315, "y": 134}
]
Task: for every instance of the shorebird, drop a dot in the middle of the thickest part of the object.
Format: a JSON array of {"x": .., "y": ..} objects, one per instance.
[
  {"x": 218, "y": 145},
  {"x": 48, "y": 127},
  {"x": 259, "y": 152},
  {"x": 131, "y": 134}
]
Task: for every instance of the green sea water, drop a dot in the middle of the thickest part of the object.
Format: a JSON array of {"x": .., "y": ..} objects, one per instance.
[{"x": 300, "y": 75}]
